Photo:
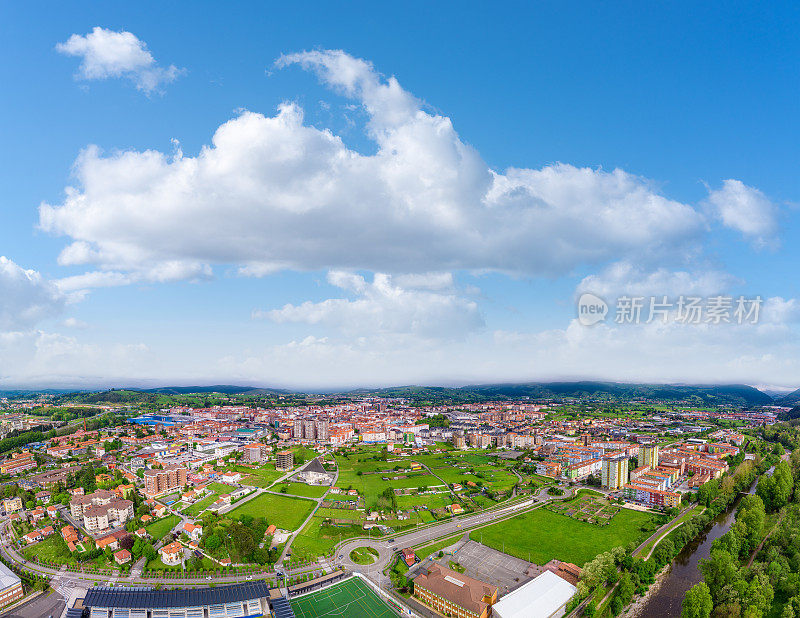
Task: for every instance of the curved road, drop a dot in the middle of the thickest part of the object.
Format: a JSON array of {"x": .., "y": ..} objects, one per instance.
[{"x": 387, "y": 547}]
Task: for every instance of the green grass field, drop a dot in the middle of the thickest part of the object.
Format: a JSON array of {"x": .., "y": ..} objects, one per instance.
[
  {"x": 158, "y": 529},
  {"x": 432, "y": 548},
  {"x": 54, "y": 549},
  {"x": 301, "y": 489},
  {"x": 201, "y": 505},
  {"x": 540, "y": 535},
  {"x": 351, "y": 598},
  {"x": 258, "y": 477},
  {"x": 317, "y": 539},
  {"x": 285, "y": 512}
]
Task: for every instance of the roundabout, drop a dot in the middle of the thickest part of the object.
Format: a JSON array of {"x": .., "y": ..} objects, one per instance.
[{"x": 364, "y": 555}]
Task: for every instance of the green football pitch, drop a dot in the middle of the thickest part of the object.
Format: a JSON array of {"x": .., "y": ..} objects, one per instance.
[{"x": 351, "y": 598}]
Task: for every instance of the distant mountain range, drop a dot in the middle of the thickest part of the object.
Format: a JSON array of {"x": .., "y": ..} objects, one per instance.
[
  {"x": 790, "y": 399},
  {"x": 737, "y": 394},
  {"x": 224, "y": 389},
  {"x": 711, "y": 394}
]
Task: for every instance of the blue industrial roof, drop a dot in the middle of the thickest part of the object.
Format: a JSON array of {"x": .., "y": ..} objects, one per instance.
[{"x": 192, "y": 597}]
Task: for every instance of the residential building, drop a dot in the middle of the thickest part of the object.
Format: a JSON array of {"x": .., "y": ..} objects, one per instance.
[
  {"x": 323, "y": 430},
  {"x": 193, "y": 531},
  {"x": 13, "y": 504},
  {"x": 309, "y": 430},
  {"x": 101, "y": 509},
  {"x": 255, "y": 452},
  {"x": 171, "y": 554},
  {"x": 615, "y": 472},
  {"x": 157, "y": 482},
  {"x": 649, "y": 453},
  {"x": 284, "y": 460},
  {"x": 651, "y": 496},
  {"x": 122, "y": 556},
  {"x": 19, "y": 462}
]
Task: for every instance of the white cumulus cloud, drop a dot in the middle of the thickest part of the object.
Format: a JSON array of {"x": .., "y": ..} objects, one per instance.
[
  {"x": 272, "y": 192},
  {"x": 105, "y": 53}
]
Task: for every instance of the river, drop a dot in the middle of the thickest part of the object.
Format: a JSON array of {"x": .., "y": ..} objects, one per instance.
[{"x": 684, "y": 573}]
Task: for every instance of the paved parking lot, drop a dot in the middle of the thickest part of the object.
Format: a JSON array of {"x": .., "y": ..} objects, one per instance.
[
  {"x": 492, "y": 566},
  {"x": 42, "y": 607}
]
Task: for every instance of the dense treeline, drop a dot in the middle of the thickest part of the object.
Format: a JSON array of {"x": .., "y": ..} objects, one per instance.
[{"x": 739, "y": 579}]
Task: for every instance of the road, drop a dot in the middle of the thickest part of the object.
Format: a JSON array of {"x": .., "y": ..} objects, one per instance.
[
  {"x": 66, "y": 582},
  {"x": 288, "y": 546},
  {"x": 387, "y": 547}
]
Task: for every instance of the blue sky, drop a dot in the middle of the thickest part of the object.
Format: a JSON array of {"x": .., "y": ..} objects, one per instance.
[{"x": 439, "y": 186}]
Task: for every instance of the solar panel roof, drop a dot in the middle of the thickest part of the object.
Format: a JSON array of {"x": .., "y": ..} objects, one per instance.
[
  {"x": 282, "y": 608},
  {"x": 192, "y": 597}
]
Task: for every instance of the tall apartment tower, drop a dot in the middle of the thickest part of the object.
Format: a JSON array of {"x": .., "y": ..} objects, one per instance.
[
  {"x": 323, "y": 431},
  {"x": 157, "y": 482},
  {"x": 284, "y": 460},
  {"x": 615, "y": 472},
  {"x": 649, "y": 456},
  {"x": 297, "y": 429},
  {"x": 308, "y": 430}
]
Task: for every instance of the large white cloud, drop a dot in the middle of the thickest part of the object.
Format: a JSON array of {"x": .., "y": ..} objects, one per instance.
[
  {"x": 25, "y": 297},
  {"x": 105, "y": 53},
  {"x": 272, "y": 192},
  {"x": 428, "y": 307}
]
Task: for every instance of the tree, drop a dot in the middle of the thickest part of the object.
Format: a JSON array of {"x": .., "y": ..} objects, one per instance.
[
  {"x": 138, "y": 548},
  {"x": 719, "y": 571},
  {"x": 697, "y": 603},
  {"x": 664, "y": 551},
  {"x": 150, "y": 552},
  {"x": 626, "y": 589},
  {"x": 213, "y": 542}
]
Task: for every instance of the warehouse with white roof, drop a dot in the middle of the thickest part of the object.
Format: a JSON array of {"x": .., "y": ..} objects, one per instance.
[{"x": 546, "y": 596}]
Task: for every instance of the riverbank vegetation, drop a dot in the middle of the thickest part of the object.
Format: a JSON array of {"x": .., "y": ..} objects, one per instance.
[
  {"x": 614, "y": 579},
  {"x": 754, "y": 569}
]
